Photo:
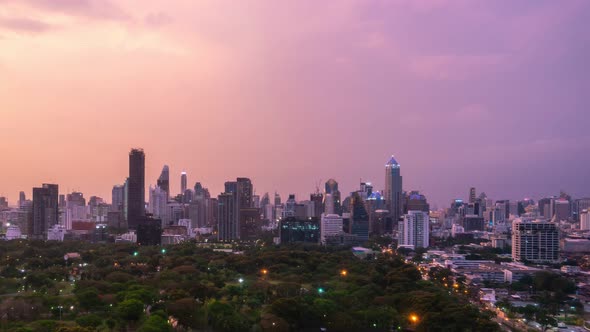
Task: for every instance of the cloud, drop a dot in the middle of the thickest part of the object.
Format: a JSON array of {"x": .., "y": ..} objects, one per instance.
[
  {"x": 92, "y": 9},
  {"x": 26, "y": 25},
  {"x": 157, "y": 19},
  {"x": 453, "y": 67}
]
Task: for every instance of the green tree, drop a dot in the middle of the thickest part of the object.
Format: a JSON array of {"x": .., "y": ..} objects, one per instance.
[
  {"x": 130, "y": 310},
  {"x": 155, "y": 323}
]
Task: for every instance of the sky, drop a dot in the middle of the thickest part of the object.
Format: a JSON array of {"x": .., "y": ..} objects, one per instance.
[{"x": 490, "y": 94}]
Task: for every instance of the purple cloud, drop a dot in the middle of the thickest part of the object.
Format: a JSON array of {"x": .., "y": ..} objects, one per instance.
[
  {"x": 93, "y": 9},
  {"x": 24, "y": 25}
]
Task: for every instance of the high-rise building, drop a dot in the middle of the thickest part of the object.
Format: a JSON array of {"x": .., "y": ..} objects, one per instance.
[
  {"x": 473, "y": 223},
  {"x": 414, "y": 201},
  {"x": 562, "y": 209},
  {"x": 331, "y": 188},
  {"x": 118, "y": 198},
  {"x": 581, "y": 205},
  {"x": 45, "y": 210},
  {"x": 472, "y": 195},
  {"x": 331, "y": 224},
  {"x": 359, "y": 217},
  {"x": 228, "y": 228},
  {"x": 158, "y": 202},
  {"x": 393, "y": 188},
  {"x": 329, "y": 204},
  {"x": 22, "y": 198},
  {"x": 535, "y": 241},
  {"x": 290, "y": 206},
  {"x": 164, "y": 180},
  {"x": 3, "y": 203},
  {"x": 76, "y": 209},
  {"x": 546, "y": 207},
  {"x": 584, "y": 220},
  {"x": 245, "y": 192},
  {"x": 136, "y": 188},
  {"x": 414, "y": 230},
  {"x": 318, "y": 204},
  {"x": 183, "y": 183}
]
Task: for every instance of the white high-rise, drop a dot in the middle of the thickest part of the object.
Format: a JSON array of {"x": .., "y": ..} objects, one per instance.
[
  {"x": 329, "y": 204},
  {"x": 158, "y": 202},
  {"x": 585, "y": 220},
  {"x": 183, "y": 182},
  {"x": 331, "y": 225},
  {"x": 414, "y": 230},
  {"x": 535, "y": 241}
]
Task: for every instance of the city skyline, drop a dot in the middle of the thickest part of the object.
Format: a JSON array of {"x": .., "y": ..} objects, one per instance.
[
  {"x": 299, "y": 196},
  {"x": 464, "y": 93}
]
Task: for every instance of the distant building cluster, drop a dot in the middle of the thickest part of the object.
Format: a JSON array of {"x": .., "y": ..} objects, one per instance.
[{"x": 537, "y": 231}]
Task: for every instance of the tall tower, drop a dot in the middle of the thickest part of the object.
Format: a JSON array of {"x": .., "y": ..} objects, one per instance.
[
  {"x": 472, "y": 195},
  {"x": 331, "y": 188},
  {"x": 245, "y": 192},
  {"x": 45, "y": 210},
  {"x": 164, "y": 180},
  {"x": 136, "y": 188},
  {"x": 183, "y": 182},
  {"x": 393, "y": 188}
]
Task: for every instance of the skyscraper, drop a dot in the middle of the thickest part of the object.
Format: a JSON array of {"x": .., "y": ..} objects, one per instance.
[
  {"x": 393, "y": 188},
  {"x": 22, "y": 198},
  {"x": 164, "y": 180},
  {"x": 183, "y": 181},
  {"x": 245, "y": 192},
  {"x": 360, "y": 217},
  {"x": 136, "y": 188},
  {"x": 318, "y": 204},
  {"x": 331, "y": 188},
  {"x": 117, "y": 198},
  {"x": 227, "y": 227},
  {"x": 414, "y": 230},
  {"x": 45, "y": 210},
  {"x": 472, "y": 195}
]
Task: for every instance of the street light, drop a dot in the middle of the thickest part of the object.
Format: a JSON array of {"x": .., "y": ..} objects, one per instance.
[
  {"x": 264, "y": 271},
  {"x": 240, "y": 280},
  {"x": 344, "y": 273},
  {"x": 414, "y": 318}
]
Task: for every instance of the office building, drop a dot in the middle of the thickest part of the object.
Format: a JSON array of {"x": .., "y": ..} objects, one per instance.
[
  {"x": 473, "y": 223},
  {"x": 414, "y": 201},
  {"x": 294, "y": 230},
  {"x": 228, "y": 227},
  {"x": 562, "y": 209},
  {"x": 535, "y": 241},
  {"x": 164, "y": 180},
  {"x": 331, "y": 224},
  {"x": 317, "y": 199},
  {"x": 45, "y": 210},
  {"x": 472, "y": 195},
  {"x": 331, "y": 188},
  {"x": 585, "y": 220},
  {"x": 359, "y": 217},
  {"x": 158, "y": 202},
  {"x": 118, "y": 198},
  {"x": 393, "y": 188},
  {"x": 136, "y": 188},
  {"x": 414, "y": 230},
  {"x": 183, "y": 183}
]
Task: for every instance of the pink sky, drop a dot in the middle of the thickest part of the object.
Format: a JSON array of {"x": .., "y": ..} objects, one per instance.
[{"x": 464, "y": 93}]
